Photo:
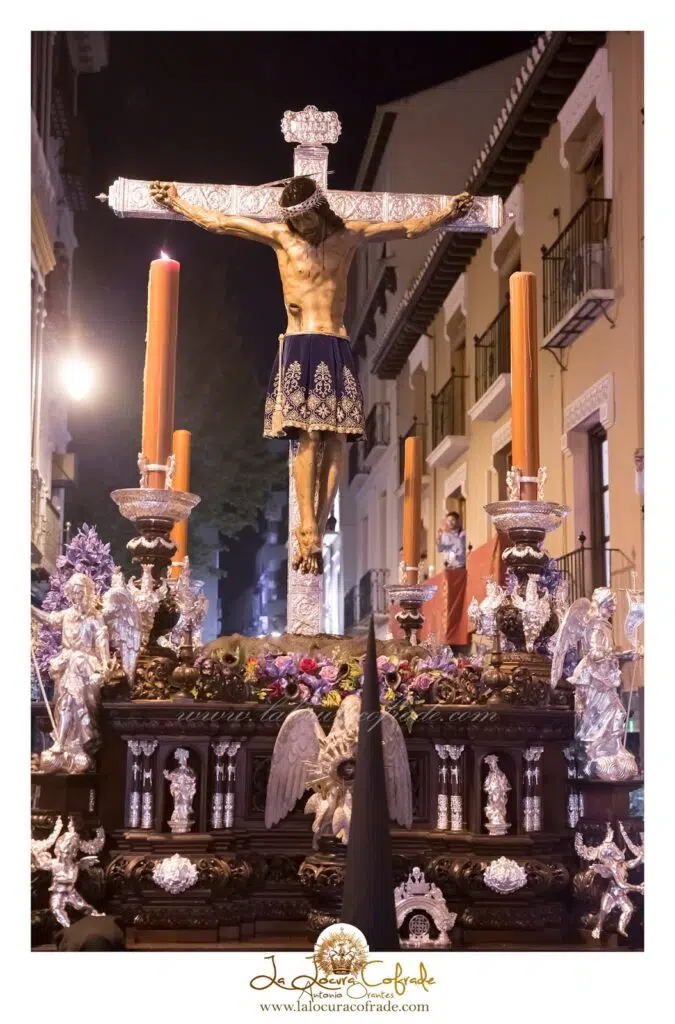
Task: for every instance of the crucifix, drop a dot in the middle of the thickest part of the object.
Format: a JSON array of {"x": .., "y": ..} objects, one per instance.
[{"x": 315, "y": 398}]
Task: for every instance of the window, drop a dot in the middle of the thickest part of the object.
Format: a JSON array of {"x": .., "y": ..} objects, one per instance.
[
  {"x": 594, "y": 175},
  {"x": 502, "y": 463},
  {"x": 598, "y": 475},
  {"x": 511, "y": 265}
]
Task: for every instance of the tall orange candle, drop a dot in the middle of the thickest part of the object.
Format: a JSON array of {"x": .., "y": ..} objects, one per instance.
[
  {"x": 524, "y": 380},
  {"x": 181, "y": 482},
  {"x": 159, "y": 378},
  {"x": 412, "y": 507}
]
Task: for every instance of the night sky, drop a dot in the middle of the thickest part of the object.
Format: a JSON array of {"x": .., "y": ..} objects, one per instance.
[{"x": 206, "y": 107}]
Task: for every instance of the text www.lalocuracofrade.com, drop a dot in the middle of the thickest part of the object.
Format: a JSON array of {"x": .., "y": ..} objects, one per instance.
[{"x": 386, "y": 1006}]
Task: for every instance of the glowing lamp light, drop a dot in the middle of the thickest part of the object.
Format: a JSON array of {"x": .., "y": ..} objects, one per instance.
[{"x": 78, "y": 378}]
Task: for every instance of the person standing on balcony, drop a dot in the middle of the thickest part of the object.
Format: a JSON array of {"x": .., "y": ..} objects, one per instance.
[{"x": 451, "y": 542}]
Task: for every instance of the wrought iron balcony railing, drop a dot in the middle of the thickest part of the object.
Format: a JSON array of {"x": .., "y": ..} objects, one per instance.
[
  {"x": 448, "y": 410},
  {"x": 351, "y": 608},
  {"x": 493, "y": 351},
  {"x": 357, "y": 464},
  {"x": 372, "y": 593},
  {"x": 586, "y": 568},
  {"x": 377, "y": 427},
  {"x": 416, "y": 429},
  {"x": 577, "y": 274}
]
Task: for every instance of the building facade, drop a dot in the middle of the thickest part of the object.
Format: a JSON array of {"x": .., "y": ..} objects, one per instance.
[
  {"x": 565, "y": 152},
  {"x": 59, "y": 163}
]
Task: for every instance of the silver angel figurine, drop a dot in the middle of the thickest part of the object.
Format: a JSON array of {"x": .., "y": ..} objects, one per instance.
[
  {"x": 601, "y": 715},
  {"x": 65, "y": 867},
  {"x": 497, "y": 787},
  {"x": 304, "y": 757},
  {"x": 123, "y": 619},
  {"x": 609, "y": 862},
  {"x": 183, "y": 786},
  {"x": 78, "y": 672},
  {"x": 535, "y": 610}
]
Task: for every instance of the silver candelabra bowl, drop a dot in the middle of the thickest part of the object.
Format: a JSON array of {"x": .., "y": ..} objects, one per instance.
[
  {"x": 410, "y": 597},
  {"x": 138, "y": 503}
]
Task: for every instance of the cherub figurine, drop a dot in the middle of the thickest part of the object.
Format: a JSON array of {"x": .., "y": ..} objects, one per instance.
[
  {"x": 597, "y": 679},
  {"x": 79, "y": 670},
  {"x": 65, "y": 867},
  {"x": 611, "y": 864}
]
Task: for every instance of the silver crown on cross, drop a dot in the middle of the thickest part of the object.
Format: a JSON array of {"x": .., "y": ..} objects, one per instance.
[{"x": 311, "y": 127}]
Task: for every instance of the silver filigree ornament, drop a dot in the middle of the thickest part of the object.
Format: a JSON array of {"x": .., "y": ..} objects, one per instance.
[
  {"x": 147, "y": 598},
  {"x": 175, "y": 874},
  {"x": 535, "y": 610},
  {"x": 311, "y": 127},
  {"x": 193, "y": 606},
  {"x": 305, "y": 758},
  {"x": 421, "y": 902},
  {"x": 504, "y": 876}
]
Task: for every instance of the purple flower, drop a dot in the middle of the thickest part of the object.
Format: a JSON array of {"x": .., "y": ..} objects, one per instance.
[
  {"x": 285, "y": 665},
  {"x": 385, "y": 665}
]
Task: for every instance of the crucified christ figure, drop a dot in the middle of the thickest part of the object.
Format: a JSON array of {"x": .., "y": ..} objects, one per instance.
[{"x": 314, "y": 396}]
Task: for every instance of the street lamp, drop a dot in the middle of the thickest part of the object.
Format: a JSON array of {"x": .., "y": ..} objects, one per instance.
[{"x": 77, "y": 377}]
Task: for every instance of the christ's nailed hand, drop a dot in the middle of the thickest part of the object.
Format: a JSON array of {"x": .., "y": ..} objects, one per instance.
[
  {"x": 163, "y": 192},
  {"x": 461, "y": 204}
]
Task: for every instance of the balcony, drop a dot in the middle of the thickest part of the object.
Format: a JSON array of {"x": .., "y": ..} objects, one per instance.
[
  {"x": 416, "y": 429},
  {"x": 493, "y": 368},
  {"x": 448, "y": 423},
  {"x": 372, "y": 595},
  {"x": 577, "y": 275},
  {"x": 351, "y": 607},
  {"x": 358, "y": 471},
  {"x": 377, "y": 433},
  {"x": 586, "y": 568}
]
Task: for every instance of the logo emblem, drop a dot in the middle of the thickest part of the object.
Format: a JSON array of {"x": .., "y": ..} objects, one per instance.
[{"x": 341, "y": 949}]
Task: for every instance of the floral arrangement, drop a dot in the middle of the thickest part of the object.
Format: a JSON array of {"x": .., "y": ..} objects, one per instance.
[{"x": 405, "y": 684}]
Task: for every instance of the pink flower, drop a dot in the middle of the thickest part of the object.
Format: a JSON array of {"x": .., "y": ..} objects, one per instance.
[
  {"x": 329, "y": 673},
  {"x": 422, "y": 682}
]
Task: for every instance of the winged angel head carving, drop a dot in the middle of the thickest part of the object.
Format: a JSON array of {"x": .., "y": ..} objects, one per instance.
[{"x": 305, "y": 758}]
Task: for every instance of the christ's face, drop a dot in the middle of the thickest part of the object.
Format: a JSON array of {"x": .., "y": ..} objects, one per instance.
[{"x": 309, "y": 225}]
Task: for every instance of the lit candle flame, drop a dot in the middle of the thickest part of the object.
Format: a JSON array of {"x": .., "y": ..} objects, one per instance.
[{"x": 164, "y": 255}]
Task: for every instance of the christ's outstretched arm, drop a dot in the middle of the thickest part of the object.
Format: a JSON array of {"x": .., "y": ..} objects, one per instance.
[
  {"x": 414, "y": 226},
  {"x": 166, "y": 194}
]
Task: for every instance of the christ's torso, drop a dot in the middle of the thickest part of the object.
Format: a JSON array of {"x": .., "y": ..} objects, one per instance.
[{"x": 314, "y": 281}]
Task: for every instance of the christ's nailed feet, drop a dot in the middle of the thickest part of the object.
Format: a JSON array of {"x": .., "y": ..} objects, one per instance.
[{"x": 308, "y": 557}]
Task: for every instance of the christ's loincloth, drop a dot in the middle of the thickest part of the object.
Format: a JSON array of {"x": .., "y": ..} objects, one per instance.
[{"x": 314, "y": 385}]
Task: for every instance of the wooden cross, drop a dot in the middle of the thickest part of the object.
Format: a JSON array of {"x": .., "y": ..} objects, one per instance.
[{"x": 311, "y": 130}]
